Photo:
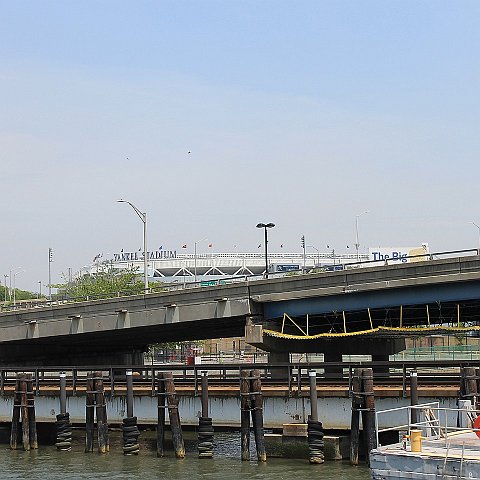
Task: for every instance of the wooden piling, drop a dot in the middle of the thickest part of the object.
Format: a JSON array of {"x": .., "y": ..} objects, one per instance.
[
  {"x": 368, "y": 413},
  {"x": 205, "y": 428},
  {"x": 357, "y": 404},
  {"x": 468, "y": 385},
  {"x": 129, "y": 424},
  {"x": 161, "y": 414},
  {"x": 245, "y": 414},
  {"x": 24, "y": 412},
  {"x": 89, "y": 413},
  {"x": 175, "y": 425},
  {"x": 257, "y": 414},
  {"x": 129, "y": 374},
  {"x": 32, "y": 424},
  {"x": 14, "y": 433},
  {"x": 204, "y": 394},
  {"x": 100, "y": 407},
  {"x": 63, "y": 392},
  {"x": 314, "y": 427},
  {"x": 312, "y": 376}
]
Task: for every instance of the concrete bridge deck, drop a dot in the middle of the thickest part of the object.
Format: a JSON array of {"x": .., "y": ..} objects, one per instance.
[{"x": 119, "y": 330}]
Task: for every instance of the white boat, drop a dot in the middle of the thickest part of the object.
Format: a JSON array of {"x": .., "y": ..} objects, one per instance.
[{"x": 446, "y": 452}]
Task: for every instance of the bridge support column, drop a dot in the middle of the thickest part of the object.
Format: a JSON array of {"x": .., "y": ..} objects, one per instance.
[
  {"x": 381, "y": 371},
  {"x": 276, "y": 358},
  {"x": 333, "y": 371}
]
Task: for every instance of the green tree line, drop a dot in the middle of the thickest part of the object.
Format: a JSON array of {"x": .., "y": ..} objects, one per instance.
[{"x": 103, "y": 284}]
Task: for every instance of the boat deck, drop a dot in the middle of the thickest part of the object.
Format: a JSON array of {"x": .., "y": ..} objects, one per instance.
[
  {"x": 465, "y": 441},
  {"x": 455, "y": 457}
]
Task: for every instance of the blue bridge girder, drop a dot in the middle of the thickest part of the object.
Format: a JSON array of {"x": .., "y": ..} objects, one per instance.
[{"x": 352, "y": 300}]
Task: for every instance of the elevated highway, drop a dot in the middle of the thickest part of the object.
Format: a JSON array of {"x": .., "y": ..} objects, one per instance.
[{"x": 313, "y": 312}]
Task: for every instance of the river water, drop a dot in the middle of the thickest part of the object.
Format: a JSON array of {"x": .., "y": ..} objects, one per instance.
[{"x": 47, "y": 463}]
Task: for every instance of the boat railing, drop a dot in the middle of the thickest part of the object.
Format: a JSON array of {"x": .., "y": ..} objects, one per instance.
[{"x": 434, "y": 421}]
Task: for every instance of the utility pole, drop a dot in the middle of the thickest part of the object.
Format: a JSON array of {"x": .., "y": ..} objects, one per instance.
[
  {"x": 50, "y": 260},
  {"x": 304, "y": 253}
]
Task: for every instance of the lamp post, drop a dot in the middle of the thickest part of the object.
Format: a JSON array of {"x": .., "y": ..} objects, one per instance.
[
  {"x": 473, "y": 223},
  {"x": 318, "y": 253},
  {"x": 195, "y": 258},
  {"x": 302, "y": 240},
  {"x": 266, "y": 226},
  {"x": 357, "y": 243},
  {"x": 50, "y": 260},
  {"x": 6, "y": 288},
  {"x": 14, "y": 287},
  {"x": 40, "y": 288},
  {"x": 143, "y": 218}
]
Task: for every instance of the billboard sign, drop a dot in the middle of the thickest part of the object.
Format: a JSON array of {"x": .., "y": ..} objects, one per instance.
[{"x": 399, "y": 254}]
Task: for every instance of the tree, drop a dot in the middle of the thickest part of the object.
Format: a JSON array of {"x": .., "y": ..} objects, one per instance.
[
  {"x": 106, "y": 283},
  {"x": 19, "y": 295}
]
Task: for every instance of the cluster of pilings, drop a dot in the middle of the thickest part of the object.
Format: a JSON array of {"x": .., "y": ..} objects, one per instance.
[
  {"x": 23, "y": 432},
  {"x": 363, "y": 401},
  {"x": 251, "y": 403},
  {"x": 24, "y": 414}
]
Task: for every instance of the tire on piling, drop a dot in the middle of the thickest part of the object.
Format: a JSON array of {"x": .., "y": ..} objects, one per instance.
[
  {"x": 64, "y": 432},
  {"x": 315, "y": 442},
  {"x": 205, "y": 437},
  {"x": 130, "y": 436}
]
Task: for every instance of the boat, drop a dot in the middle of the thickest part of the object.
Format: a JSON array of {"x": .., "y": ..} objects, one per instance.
[{"x": 431, "y": 448}]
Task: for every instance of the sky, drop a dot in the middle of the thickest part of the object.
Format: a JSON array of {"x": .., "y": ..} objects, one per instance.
[{"x": 212, "y": 116}]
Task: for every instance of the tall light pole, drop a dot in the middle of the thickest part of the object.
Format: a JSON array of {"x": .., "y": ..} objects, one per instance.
[
  {"x": 473, "y": 223},
  {"x": 40, "y": 291},
  {"x": 195, "y": 258},
  {"x": 266, "y": 226},
  {"x": 318, "y": 253},
  {"x": 6, "y": 288},
  {"x": 357, "y": 243},
  {"x": 50, "y": 260},
  {"x": 143, "y": 218},
  {"x": 194, "y": 262},
  {"x": 14, "y": 287},
  {"x": 302, "y": 240}
]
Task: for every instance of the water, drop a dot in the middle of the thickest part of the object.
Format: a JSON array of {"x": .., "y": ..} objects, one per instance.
[{"x": 49, "y": 464}]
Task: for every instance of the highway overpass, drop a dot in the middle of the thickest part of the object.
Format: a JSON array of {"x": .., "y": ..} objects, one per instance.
[{"x": 313, "y": 312}]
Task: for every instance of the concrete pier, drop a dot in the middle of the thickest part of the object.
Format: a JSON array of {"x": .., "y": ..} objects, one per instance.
[{"x": 279, "y": 407}]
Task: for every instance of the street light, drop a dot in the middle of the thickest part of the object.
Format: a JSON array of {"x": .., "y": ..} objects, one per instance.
[
  {"x": 143, "y": 218},
  {"x": 473, "y": 223},
  {"x": 195, "y": 258},
  {"x": 318, "y": 253},
  {"x": 357, "y": 243},
  {"x": 14, "y": 288},
  {"x": 266, "y": 226},
  {"x": 50, "y": 260},
  {"x": 6, "y": 288}
]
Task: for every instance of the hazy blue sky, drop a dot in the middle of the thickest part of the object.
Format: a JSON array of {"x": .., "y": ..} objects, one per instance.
[{"x": 302, "y": 113}]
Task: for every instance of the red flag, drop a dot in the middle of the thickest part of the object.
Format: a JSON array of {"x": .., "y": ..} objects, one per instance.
[{"x": 210, "y": 245}]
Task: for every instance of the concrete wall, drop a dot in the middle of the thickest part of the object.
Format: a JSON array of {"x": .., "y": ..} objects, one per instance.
[{"x": 334, "y": 412}]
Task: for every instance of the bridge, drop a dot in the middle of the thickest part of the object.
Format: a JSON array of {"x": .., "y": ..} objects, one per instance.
[{"x": 356, "y": 311}]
